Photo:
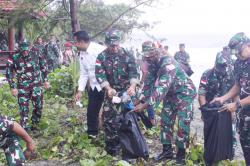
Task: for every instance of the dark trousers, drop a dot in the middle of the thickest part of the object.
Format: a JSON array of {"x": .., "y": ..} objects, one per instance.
[
  {"x": 244, "y": 129},
  {"x": 94, "y": 105}
]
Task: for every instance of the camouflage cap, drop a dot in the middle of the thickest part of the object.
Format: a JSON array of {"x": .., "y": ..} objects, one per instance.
[
  {"x": 220, "y": 59},
  {"x": 237, "y": 41},
  {"x": 113, "y": 37},
  {"x": 24, "y": 46},
  {"x": 147, "y": 48}
]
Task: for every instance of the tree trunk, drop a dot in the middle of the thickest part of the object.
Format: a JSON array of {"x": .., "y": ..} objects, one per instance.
[
  {"x": 11, "y": 34},
  {"x": 73, "y": 14},
  {"x": 21, "y": 36}
]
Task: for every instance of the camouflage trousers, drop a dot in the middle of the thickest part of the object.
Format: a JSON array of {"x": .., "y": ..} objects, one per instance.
[
  {"x": 244, "y": 131},
  {"x": 35, "y": 94},
  {"x": 110, "y": 112},
  {"x": 14, "y": 154},
  {"x": 184, "y": 112}
]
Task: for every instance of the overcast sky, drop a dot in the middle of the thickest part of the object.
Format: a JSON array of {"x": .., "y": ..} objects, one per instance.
[{"x": 205, "y": 23}]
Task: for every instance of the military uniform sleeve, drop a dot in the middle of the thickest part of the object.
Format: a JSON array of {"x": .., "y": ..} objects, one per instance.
[
  {"x": 43, "y": 66},
  {"x": 6, "y": 124},
  {"x": 203, "y": 84},
  {"x": 165, "y": 78},
  {"x": 237, "y": 69},
  {"x": 100, "y": 71},
  {"x": 147, "y": 87},
  {"x": 10, "y": 71},
  {"x": 176, "y": 56},
  {"x": 133, "y": 72}
]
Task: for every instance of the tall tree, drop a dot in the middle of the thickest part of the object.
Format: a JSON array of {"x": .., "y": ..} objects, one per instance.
[{"x": 73, "y": 15}]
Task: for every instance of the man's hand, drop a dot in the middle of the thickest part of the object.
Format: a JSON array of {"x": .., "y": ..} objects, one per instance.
[
  {"x": 78, "y": 96},
  {"x": 30, "y": 153},
  {"x": 46, "y": 85},
  {"x": 111, "y": 92},
  {"x": 14, "y": 92},
  {"x": 131, "y": 90},
  {"x": 140, "y": 107},
  {"x": 231, "y": 107},
  {"x": 221, "y": 100},
  {"x": 30, "y": 146}
]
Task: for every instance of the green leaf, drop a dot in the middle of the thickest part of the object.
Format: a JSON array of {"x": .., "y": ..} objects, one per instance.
[
  {"x": 194, "y": 155},
  {"x": 123, "y": 163},
  {"x": 93, "y": 152},
  {"x": 190, "y": 162},
  {"x": 46, "y": 154},
  {"x": 87, "y": 162},
  {"x": 44, "y": 125},
  {"x": 71, "y": 138}
]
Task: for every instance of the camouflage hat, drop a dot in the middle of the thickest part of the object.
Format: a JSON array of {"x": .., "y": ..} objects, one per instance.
[
  {"x": 237, "y": 41},
  {"x": 24, "y": 46},
  {"x": 113, "y": 37},
  {"x": 220, "y": 59},
  {"x": 147, "y": 48}
]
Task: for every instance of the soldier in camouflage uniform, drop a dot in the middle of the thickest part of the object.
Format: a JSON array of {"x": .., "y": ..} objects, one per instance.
[
  {"x": 52, "y": 55},
  {"x": 216, "y": 82},
  {"x": 39, "y": 45},
  {"x": 149, "y": 71},
  {"x": 177, "y": 91},
  {"x": 240, "y": 46},
  {"x": 183, "y": 58},
  {"x": 9, "y": 141},
  {"x": 116, "y": 72},
  {"x": 30, "y": 69}
]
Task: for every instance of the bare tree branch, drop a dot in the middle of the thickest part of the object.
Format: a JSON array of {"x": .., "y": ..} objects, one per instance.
[
  {"x": 120, "y": 16},
  {"x": 65, "y": 7}
]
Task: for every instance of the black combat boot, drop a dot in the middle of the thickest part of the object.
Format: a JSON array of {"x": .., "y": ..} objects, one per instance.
[
  {"x": 180, "y": 156},
  {"x": 166, "y": 154}
]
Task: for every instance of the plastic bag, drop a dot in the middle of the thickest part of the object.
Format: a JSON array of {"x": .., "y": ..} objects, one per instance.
[
  {"x": 218, "y": 136},
  {"x": 132, "y": 141}
]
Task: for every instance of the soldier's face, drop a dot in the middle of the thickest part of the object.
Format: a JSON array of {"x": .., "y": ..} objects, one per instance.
[
  {"x": 245, "y": 53},
  {"x": 182, "y": 48},
  {"x": 113, "y": 48},
  {"x": 152, "y": 59},
  {"x": 221, "y": 69},
  {"x": 39, "y": 40}
]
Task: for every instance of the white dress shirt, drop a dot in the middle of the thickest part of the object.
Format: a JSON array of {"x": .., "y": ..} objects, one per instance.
[{"x": 87, "y": 66}]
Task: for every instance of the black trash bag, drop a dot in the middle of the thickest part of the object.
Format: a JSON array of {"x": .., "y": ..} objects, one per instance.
[
  {"x": 218, "y": 136},
  {"x": 145, "y": 120},
  {"x": 132, "y": 141}
]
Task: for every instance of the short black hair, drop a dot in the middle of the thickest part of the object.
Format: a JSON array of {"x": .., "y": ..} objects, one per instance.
[{"x": 82, "y": 35}]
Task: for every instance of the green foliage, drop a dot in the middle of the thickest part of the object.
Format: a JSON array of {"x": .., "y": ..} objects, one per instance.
[
  {"x": 64, "y": 81},
  {"x": 8, "y": 103},
  {"x": 123, "y": 163}
]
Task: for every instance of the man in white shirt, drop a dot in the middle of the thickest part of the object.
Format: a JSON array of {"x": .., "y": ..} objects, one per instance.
[{"x": 88, "y": 54}]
